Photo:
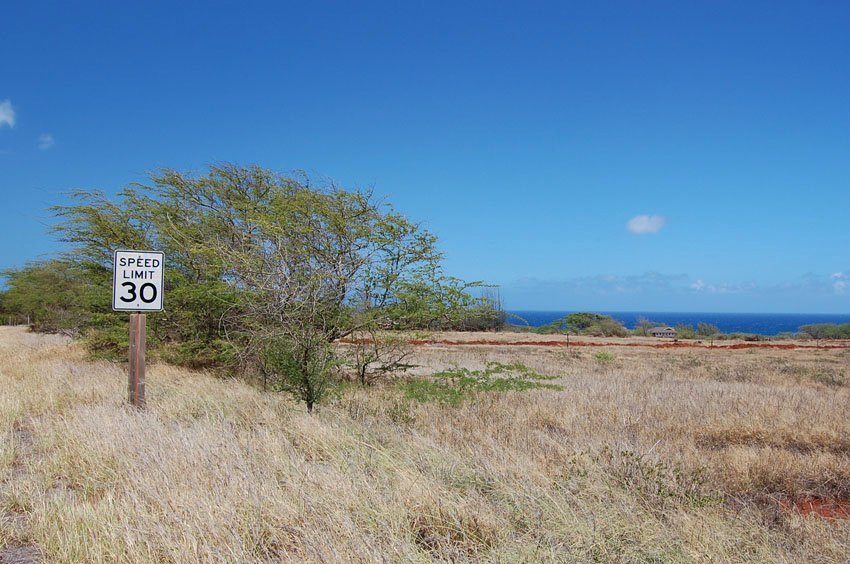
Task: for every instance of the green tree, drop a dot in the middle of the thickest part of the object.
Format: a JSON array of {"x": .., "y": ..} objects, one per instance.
[
  {"x": 265, "y": 270},
  {"x": 707, "y": 329},
  {"x": 586, "y": 323},
  {"x": 301, "y": 366},
  {"x": 582, "y": 321},
  {"x": 826, "y": 331},
  {"x": 685, "y": 331},
  {"x": 57, "y": 296}
]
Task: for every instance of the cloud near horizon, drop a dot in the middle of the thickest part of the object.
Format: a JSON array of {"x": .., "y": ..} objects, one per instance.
[
  {"x": 46, "y": 141},
  {"x": 656, "y": 291},
  {"x": 7, "y": 113},
  {"x": 642, "y": 224},
  {"x": 840, "y": 280},
  {"x": 722, "y": 288},
  {"x": 610, "y": 284}
]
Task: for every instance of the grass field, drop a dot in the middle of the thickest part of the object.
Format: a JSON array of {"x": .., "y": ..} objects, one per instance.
[{"x": 644, "y": 454}]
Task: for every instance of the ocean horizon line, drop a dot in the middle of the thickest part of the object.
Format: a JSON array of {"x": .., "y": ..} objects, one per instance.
[
  {"x": 636, "y": 311},
  {"x": 768, "y": 324}
]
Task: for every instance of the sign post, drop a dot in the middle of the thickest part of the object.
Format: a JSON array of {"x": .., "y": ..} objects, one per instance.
[
  {"x": 136, "y": 384},
  {"x": 137, "y": 287}
]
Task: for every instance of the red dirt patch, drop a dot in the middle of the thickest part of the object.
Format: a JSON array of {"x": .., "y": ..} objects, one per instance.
[
  {"x": 830, "y": 509},
  {"x": 664, "y": 345}
]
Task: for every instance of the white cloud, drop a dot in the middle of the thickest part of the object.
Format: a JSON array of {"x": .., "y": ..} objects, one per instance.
[
  {"x": 722, "y": 288},
  {"x": 7, "y": 113},
  {"x": 46, "y": 141},
  {"x": 699, "y": 285},
  {"x": 642, "y": 224}
]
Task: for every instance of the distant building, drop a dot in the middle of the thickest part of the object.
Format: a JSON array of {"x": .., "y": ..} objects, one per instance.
[{"x": 663, "y": 332}]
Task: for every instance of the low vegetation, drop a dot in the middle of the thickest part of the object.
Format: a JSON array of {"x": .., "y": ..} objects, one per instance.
[
  {"x": 826, "y": 331},
  {"x": 424, "y": 449},
  {"x": 263, "y": 272},
  {"x": 585, "y": 323},
  {"x": 662, "y": 455},
  {"x": 458, "y": 384}
]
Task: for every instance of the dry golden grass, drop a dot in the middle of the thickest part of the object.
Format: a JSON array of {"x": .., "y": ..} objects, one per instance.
[{"x": 653, "y": 455}]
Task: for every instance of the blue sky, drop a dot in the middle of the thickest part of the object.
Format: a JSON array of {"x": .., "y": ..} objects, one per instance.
[{"x": 655, "y": 156}]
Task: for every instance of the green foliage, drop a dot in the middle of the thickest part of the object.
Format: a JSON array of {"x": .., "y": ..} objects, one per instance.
[
  {"x": 826, "y": 331},
  {"x": 585, "y": 323},
  {"x": 685, "y": 331},
  {"x": 206, "y": 354},
  {"x": 455, "y": 385},
  {"x": 604, "y": 356},
  {"x": 57, "y": 296},
  {"x": 300, "y": 367},
  {"x": 109, "y": 343},
  {"x": 707, "y": 329},
  {"x": 253, "y": 259},
  {"x": 425, "y": 390}
]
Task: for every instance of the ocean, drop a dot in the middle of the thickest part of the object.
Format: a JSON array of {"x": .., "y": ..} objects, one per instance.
[{"x": 758, "y": 323}]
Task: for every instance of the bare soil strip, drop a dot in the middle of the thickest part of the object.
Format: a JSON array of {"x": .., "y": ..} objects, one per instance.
[
  {"x": 829, "y": 509},
  {"x": 573, "y": 343}
]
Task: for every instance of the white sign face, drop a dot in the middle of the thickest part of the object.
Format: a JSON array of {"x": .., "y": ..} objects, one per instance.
[{"x": 137, "y": 281}]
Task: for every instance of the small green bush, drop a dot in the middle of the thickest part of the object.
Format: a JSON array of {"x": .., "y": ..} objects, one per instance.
[
  {"x": 604, "y": 356},
  {"x": 455, "y": 385},
  {"x": 684, "y": 331}
]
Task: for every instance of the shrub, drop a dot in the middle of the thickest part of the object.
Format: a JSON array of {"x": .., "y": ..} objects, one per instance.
[
  {"x": 455, "y": 385},
  {"x": 826, "y": 331},
  {"x": 604, "y": 356},
  {"x": 707, "y": 329},
  {"x": 300, "y": 367},
  {"x": 684, "y": 331},
  {"x": 585, "y": 323}
]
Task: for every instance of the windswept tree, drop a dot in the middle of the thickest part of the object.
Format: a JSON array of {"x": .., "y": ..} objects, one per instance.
[{"x": 270, "y": 267}]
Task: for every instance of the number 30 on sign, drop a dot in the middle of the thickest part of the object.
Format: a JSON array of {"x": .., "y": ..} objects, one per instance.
[{"x": 137, "y": 281}]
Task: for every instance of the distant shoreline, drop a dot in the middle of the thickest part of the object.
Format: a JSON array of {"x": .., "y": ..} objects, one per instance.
[{"x": 768, "y": 324}]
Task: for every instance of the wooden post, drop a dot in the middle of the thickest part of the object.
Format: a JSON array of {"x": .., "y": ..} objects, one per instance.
[{"x": 138, "y": 330}]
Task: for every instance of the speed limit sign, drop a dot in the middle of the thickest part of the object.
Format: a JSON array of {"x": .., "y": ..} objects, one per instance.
[{"x": 137, "y": 281}]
